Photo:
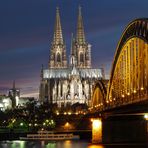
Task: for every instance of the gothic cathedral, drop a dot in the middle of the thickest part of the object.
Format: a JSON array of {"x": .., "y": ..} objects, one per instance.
[{"x": 67, "y": 83}]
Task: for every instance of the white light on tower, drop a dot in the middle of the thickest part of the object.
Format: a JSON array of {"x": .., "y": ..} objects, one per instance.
[{"x": 17, "y": 100}]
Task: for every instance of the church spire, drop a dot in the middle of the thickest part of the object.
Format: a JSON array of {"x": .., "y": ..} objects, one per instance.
[
  {"x": 58, "y": 49},
  {"x": 80, "y": 37},
  {"x": 72, "y": 48},
  {"x": 73, "y": 61},
  {"x": 13, "y": 84},
  {"x": 58, "y": 38}
]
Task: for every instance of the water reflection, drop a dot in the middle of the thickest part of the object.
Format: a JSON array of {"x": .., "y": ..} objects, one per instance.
[
  {"x": 95, "y": 146},
  {"x": 63, "y": 144},
  {"x": 51, "y": 145}
]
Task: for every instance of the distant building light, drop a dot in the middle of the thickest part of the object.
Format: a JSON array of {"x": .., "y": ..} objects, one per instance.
[
  {"x": 69, "y": 113},
  {"x": 21, "y": 124},
  {"x": 142, "y": 88},
  {"x": 35, "y": 124}
]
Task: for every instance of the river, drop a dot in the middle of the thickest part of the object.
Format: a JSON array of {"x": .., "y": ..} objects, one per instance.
[{"x": 64, "y": 144}]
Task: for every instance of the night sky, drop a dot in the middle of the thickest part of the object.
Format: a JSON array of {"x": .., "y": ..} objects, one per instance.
[{"x": 26, "y": 31}]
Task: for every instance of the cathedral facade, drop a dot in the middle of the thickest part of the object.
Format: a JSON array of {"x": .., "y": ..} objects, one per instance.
[{"x": 67, "y": 83}]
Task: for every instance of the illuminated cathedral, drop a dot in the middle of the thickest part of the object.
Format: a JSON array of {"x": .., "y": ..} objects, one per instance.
[{"x": 66, "y": 83}]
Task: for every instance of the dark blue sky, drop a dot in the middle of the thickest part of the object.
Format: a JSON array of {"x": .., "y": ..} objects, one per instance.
[{"x": 26, "y": 31}]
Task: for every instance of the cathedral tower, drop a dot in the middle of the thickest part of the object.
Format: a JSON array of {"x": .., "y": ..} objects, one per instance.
[
  {"x": 58, "y": 51},
  {"x": 83, "y": 49}
]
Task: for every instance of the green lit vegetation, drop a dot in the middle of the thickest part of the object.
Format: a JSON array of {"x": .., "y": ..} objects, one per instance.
[{"x": 44, "y": 117}]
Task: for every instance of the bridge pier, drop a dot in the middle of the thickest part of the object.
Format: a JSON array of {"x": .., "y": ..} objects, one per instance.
[{"x": 97, "y": 130}]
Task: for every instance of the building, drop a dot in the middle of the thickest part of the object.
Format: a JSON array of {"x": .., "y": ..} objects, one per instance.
[
  {"x": 14, "y": 95},
  {"x": 68, "y": 83},
  {"x": 5, "y": 103}
]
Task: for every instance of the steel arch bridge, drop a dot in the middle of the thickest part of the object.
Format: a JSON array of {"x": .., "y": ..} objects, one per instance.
[
  {"x": 128, "y": 82},
  {"x": 99, "y": 95}
]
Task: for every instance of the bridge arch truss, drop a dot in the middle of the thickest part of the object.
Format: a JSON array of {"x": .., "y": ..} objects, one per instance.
[{"x": 129, "y": 75}]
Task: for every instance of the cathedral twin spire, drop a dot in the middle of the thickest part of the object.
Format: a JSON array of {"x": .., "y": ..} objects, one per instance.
[
  {"x": 58, "y": 51},
  {"x": 58, "y": 37},
  {"x": 80, "y": 37}
]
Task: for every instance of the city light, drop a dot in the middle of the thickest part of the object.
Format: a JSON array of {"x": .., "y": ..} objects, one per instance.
[
  {"x": 76, "y": 113},
  {"x": 142, "y": 88},
  {"x": 35, "y": 124},
  {"x": 146, "y": 116},
  {"x": 21, "y": 124},
  {"x": 96, "y": 130},
  {"x": 67, "y": 126},
  {"x": 96, "y": 123},
  {"x": 69, "y": 113}
]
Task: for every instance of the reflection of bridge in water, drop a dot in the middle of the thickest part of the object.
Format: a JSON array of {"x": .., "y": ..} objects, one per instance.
[{"x": 128, "y": 82}]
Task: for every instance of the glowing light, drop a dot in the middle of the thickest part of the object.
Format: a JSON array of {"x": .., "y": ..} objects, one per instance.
[
  {"x": 128, "y": 93},
  {"x": 146, "y": 116},
  {"x": 123, "y": 96},
  {"x": 96, "y": 123},
  {"x": 69, "y": 113},
  {"x": 57, "y": 113},
  {"x": 21, "y": 124},
  {"x": 91, "y": 119},
  {"x": 96, "y": 130},
  {"x": 13, "y": 120},
  {"x": 17, "y": 100},
  {"x": 67, "y": 125},
  {"x": 47, "y": 120},
  {"x": 142, "y": 88},
  {"x": 134, "y": 91},
  {"x": 65, "y": 113}
]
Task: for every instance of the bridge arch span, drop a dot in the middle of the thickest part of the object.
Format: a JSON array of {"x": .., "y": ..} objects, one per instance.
[
  {"x": 99, "y": 95},
  {"x": 129, "y": 74}
]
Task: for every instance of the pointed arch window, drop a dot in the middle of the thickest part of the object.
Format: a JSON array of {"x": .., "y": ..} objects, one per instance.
[{"x": 58, "y": 57}]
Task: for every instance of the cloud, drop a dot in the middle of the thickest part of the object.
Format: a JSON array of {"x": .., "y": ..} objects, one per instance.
[{"x": 26, "y": 32}]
